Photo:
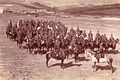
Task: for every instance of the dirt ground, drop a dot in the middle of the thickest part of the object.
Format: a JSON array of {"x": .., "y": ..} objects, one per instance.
[{"x": 18, "y": 64}]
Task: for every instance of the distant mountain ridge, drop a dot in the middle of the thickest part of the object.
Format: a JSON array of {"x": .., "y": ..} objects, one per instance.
[
  {"x": 95, "y": 9},
  {"x": 42, "y": 6},
  {"x": 34, "y": 5},
  {"x": 74, "y": 9},
  {"x": 75, "y": 6}
]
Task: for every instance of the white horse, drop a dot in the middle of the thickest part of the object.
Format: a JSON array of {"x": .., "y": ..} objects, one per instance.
[{"x": 89, "y": 54}]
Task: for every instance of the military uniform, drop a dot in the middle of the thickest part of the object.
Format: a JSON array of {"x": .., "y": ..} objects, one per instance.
[{"x": 90, "y": 36}]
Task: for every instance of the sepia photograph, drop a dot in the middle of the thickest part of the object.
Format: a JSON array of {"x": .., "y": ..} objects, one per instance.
[{"x": 59, "y": 39}]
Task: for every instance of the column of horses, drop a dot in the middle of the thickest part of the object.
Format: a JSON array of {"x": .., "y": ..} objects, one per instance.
[{"x": 53, "y": 39}]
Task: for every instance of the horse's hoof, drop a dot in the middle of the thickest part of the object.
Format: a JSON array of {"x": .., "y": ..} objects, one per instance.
[
  {"x": 47, "y": 66},
  {"x": 112, "y": 71},
  {"x": 76, "y": 61},
  {"x": 62, "y": 67},
  {"x": 93, "y": 70}
]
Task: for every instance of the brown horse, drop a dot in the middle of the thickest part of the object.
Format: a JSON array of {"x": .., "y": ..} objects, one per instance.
[
  {"x": 89, "y": 44},
  {"x": 59, "y": 55},
  {"x": 77, "y": 50},
  {"x": 113, "y": 44},
  {"x": 109, "y": 44}
]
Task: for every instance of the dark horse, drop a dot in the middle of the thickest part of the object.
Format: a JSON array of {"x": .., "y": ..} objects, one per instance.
[
  {"x": 88, "y": 44},
  {"x": 96, "y": 43},
  {"x": 113, "y": 44},
  {"x": 31, "y": 45},
  {"x": 20, "y": 39},
  {"x": 59, "y": 55},
  {"x": 109, "y": 44},
  {"x": 77, "y": 50}
]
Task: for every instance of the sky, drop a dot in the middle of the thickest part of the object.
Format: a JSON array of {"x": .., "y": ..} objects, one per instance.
[{"x": 66, "y": 2}]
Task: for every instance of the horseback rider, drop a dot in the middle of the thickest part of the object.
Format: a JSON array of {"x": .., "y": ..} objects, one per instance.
[
  {"x": 111, "y": 39},
  {"x": 97, "y": 38},
  {"x": 78, "y": 32},
  {"x": 73, "y": 42},
  {"x": 104, "y": 38},
  {"x": 72, "y": 31},
  {"x": 98, "y": 34},
  {"x": 90, "y": 36},
  {"x": 9, "y": 28},
  {"x": 10, "y": 24},
  {"x": 84, "y": 33},
  {"x": 81, "y": 39}
]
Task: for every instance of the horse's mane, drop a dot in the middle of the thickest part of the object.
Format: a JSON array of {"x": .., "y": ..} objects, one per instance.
[{"x": 92, "y": 52}]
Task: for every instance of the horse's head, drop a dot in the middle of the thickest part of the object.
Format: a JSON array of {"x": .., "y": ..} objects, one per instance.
[
  {"x": 89, "y": 53},
  {"x": 117, "y": 40}
]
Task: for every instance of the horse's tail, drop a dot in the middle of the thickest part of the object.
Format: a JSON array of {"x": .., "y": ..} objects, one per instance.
[{"x": 110, "y": 60}]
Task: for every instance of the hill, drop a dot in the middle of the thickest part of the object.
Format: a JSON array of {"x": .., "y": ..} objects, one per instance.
[
  {"x": 26, "y": 7},
  {"x": 109, "y": 9}
]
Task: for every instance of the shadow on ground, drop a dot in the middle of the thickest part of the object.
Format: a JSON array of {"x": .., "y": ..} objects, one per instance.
[
  {"x": 82, "y": 59},
  {"x": 66, "y": 65},
  {"x": 107, "y": 67}
]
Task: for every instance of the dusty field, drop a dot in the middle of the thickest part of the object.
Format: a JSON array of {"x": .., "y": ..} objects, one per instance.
[{"x": 17, "y": 64}]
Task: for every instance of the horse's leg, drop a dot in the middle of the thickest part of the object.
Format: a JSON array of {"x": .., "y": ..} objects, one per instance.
[
  {"x": 113, "y": 49},
  {"x": 38, "y": 49},
  {"x": 47, "y": 59},
  {"x": 62, "y": 64},
  {"x": 76, "y": 57},
  {"x": 70, "y": 52},
  {"x": 111, "y": 66},
  {"x": 35, "y": 50},
  {"x": 30, "y": 50},
  {"x": 67, "y": 55},
  {"x": 7, "y": 34},
  {"x": 41, "y": 50},
  {"x": 94, "y": 66},
  {"x": 17, "y": 43},
  {"x": 20, "y": 45},
  {"x": 47, "y": 47},
  {"x": 27, "y": 48},
  {"x": 85, "y": 55}
]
